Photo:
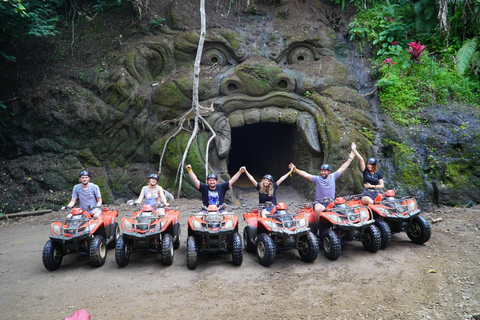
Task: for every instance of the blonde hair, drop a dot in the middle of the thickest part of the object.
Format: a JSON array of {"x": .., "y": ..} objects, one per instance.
[{"x": 267, "y": 190}]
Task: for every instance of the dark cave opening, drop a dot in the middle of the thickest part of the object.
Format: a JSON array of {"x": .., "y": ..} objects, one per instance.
[{"x": 263, "y": 148}]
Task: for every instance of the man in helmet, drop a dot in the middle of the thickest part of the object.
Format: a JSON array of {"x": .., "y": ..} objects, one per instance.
[
  {"x": 88, "y": 194},
  {"x": 153, "y": 193},
  {"x": 324, "y": 183},
  {"x": 212, "y": 192}
]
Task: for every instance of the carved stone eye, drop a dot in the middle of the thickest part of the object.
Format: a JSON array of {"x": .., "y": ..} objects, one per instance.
[
  {"x": 214, "y": 56},
  {"x": 300, "y": 54}
]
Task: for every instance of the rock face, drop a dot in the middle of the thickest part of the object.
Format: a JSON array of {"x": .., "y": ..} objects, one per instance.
[{"x": 275, "y": 90}]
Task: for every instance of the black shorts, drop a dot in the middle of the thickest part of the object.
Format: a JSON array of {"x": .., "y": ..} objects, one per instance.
[{"x": 370, "y": 193}]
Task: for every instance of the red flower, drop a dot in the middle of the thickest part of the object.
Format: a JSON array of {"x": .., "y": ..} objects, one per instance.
[
  {"x": 394, "y": 43},
  {"x": 389, "y": 61},
  {"x": 416, "y": 50}
]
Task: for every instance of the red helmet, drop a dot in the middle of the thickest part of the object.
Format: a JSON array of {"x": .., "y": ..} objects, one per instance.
[
  {"x": 212, "y": 207},
  {"x": 147, "y": 207},
  {"x": 390, "y": 193},
  {"x": 281, "y": 206},
  {"x": 340, "y": 200}
]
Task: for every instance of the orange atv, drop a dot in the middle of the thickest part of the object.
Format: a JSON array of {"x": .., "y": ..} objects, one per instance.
[
  {"x": 340, "y": 222},
  {"x": 212, "y": 230},
  {"x": 84, "y": 234},
  {"x": 394, "y": 215},
  {"x": 278, "y": 230},
  {"x": 146, "y": 230}
]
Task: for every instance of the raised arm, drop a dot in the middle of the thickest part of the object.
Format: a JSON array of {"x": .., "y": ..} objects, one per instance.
[
  {"x": 236, "y": 176},
  {"x": 279, "y": 181},
  {"x": 301, "y": 173},
  {"x": 347, "y": 163},
  {"x": 250, "y": 177},
  {"x": 362, "y": 162},
  {"x": 193, "y": 176}
]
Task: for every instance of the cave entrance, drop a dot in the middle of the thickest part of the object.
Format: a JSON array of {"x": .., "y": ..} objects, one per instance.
[{"x": 264, "y": 148}]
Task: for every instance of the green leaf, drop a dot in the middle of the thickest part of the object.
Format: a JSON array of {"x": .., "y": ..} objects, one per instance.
[{"x": 465, "y": 54}]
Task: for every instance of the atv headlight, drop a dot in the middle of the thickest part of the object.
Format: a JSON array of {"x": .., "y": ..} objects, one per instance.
[
  {"x": 383, "y": 211},
  {"x": 412, "y": 205},
  {"x": 162, "y": 224},
  {"x": 364, "y": 214},
  {"x": 197, "y": 224},
  {"x": 55, "y": 229},
  {"x": 127, "y": 225},
  {"x": 272, "y": 225},
  {"x": 302, "y": 222},
  {"x": 229, "y": 224},
  {"x": 91, "y": 227}
]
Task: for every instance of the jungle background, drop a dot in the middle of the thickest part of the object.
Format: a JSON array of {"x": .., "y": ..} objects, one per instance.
[{"x": 62, "y": 109}]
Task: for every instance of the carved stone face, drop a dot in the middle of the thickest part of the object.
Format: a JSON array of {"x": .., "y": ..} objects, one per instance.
[{"x": 271, "y": 99}]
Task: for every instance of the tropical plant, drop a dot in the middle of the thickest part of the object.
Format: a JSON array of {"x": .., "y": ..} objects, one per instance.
[{"x": 468, "y": 56}]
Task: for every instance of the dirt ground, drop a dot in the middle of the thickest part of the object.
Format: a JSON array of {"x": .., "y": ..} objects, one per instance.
[{"x": 438, "y": 280}]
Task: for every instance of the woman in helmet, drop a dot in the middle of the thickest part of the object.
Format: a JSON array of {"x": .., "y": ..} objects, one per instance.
[
  {"x": 372, "y": 178},
  {"x": 153, "y": 193},
  {"x": 266, "y": 189}
]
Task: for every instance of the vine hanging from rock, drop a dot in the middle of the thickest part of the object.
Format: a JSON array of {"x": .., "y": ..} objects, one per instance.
[{"x": 195, "y": 113}]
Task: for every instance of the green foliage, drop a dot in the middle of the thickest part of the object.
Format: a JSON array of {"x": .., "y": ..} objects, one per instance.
[
  {"x": 405, "y": 87},
  {"x": 466, "y": 54},
  {"x": 157, "y": 21},
  {"x": 380, "y": 27}
]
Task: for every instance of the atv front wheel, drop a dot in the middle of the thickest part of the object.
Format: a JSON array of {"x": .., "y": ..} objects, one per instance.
[
  {"x": 385, "y": 233},
  {"x": 372, "y": 239},
  {"x": 122, "y": 252},
  {"x": 265, "y": 250},
  {"x": 237, "y": 249},
  {"x": 98, "y": 251},
  {"x": 249, "y": 246},
  {"x": 420, "y": 230},
  {"x": 308, "y": 247},
  {"x": 192, "y": 254},
  {"x": 167, "y": 249},
  {"x": 331, "y": 244},
  {"x": 52, "y": 255},
  {"x": 116, "y": 234}
]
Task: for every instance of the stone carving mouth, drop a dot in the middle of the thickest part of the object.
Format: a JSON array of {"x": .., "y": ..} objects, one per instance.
[{"x": 266, "y": 132}]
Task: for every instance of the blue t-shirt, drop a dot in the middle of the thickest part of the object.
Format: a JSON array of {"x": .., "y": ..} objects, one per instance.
[
  {"x": 371, "y": 178},
  {"x": 325, "y": 188},
  {"x": 215, "y": 196},
  {"x": 86, "y": 197}
]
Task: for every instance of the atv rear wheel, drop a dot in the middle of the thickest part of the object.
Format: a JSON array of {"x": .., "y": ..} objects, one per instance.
[
  {"x": 192, "y": 254},
  {"x": 385, "y": 233},
  {"x": 372, "y": 239},
  {"x": 420, "y": 230},
  {"x": 309, "y": 247},
  {"x": 331, "y": 244},
  {"x": 237, "y": 249},
  {"x": 167, "y": 249},
  {"x": 116, "y": 234},
  {"x": 266, "y": 251},
  {"x": 248, "y": 245},
  {"x": 122, "y": 252},
  {"x": 98, "y": 251},
  {"x": 52, "y": 255}
]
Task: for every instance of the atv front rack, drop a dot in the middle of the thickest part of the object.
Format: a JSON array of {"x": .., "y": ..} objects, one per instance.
[
  {"x": 402, "y": 208},
  {"x": 352, "y": 216},
  {"x": 288, "y": 223},
  {"x": 70, "y": 227}
]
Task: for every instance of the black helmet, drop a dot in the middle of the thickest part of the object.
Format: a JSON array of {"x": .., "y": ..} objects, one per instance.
[
  {"x": 325, "y": 167},
  {"x": 153, "y": 175},
  {"x": 212, "y": 176},
  {"x": 84, "y": 173},
  {"x": 269, "y": 177},
  {"x": 372, "y": 161}
]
